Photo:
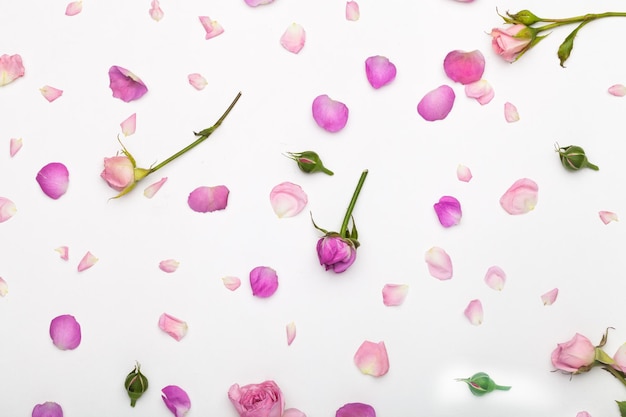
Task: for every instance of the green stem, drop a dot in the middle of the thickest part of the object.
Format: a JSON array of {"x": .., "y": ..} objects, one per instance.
[
  {"x": 584, "y": 18},
  {"x": 592, "y": 166},
  {"x": 615, "y": 373},
  {"x": 357, "y": 191},
  {"x": 203, "y": 135},
  {"x": 502, "y": 388},
  {"x": 327, "y": 171}
]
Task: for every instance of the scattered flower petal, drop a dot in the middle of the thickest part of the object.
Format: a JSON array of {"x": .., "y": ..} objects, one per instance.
[
  {"x": 50, "y": 93},
  {"x": 288, "y": 199},
  {"x": 155, "y": 10},
  {"x": 11, "y": 68},
  {"x": 474, "y": 312},
  {"x": 208, "y": 199},
  {"x": 608, "y": 217},
  {"x": 329, "y": 114},
  {"x": 74, "y": 8},
  {"x": 197, "y": 81},
  {"x": 618, "y": 90},
  {"x": 583, "y": 414},
  {"x": 176, "y": 399},
  {"x": 4, "y": 287},
  {"x": 481, "y": 90},
  {"x": 264, "y": 281},
  {"x": 152, "y": 189},
  {"x": 436, "y": 104},
  {"x": 7, "y": 209},
  {"x": 53, "y": 179},
  {"x": 255, "y": 3},
  {"x": 463, "y": 173},
  {"x": 129, "y": 125},
  {"x": 439, "y": 263},
  {"x": 352, "y": 11},
  {"x": 379, "y": 71},
  {"x": 65, "y": 332},
  {"x": 495, "y": 278},
  {"x": 550, "y": 297},
  {"x": 394, "y": 294},
  {"x": 448, "y": 211},
  {"x": 64, "y": 252},
  {"x": 291, "y": 333},
  {"x": 169, "y": 265},
  {"x": 293, "y": 39},
  {"x": 510, "y": 113},
  {"x": 371, "y": 358},
  {"x": 125, "y": 85},
  {"x": 232, "y": 283},
  {"x": 356, "y": 410},
  {"x": 293, "y": 412},
  {"x": 47, "y": 409},
  {"x": 87, "y": 262},
  {"x": 212, "y": 27},
  {"x": 464, "y": 67},
  {"x": 14, "y": 146},
  {"x": 521, "y": 197},
  {"x": 173, "y": 326}
]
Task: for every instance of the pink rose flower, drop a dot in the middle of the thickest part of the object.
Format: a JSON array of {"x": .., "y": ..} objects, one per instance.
[
  {"x": 336, "y": 253},
  {"x": 257, "y": 400},
  {"x": 510, "y": 42},
  {"x": 573, "y": 355},
  {"x": 118, "y": 172}
]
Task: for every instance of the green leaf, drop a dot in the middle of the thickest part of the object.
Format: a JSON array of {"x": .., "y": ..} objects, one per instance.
[
  {"x": 603, "y": 357},
  {"x": 622, "y": 408},
  {"x": 568, "y": 44}
]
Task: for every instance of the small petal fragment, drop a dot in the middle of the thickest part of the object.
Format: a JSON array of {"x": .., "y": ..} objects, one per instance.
[
  {"x": 293, "y": 39},
  {"x": 74, "y": 8},
  {"x": 232, "y": 283},
  {"x": 125, "y": 85},
  {"x": 65, "y": 332},
  {"x": 291, "y": 334},
  {"x": 287, "y": 199},
  {"x": 197, "y": 81},
  {"x": 87, "y": 262},
  {"x": 293, "y": 412},
  {"x": 436, "y": 104},
  {"x": 329, "y": 114},
  {"x": 11, "y": 68},
  {"x": 550, "y": 297},
  {"x": 618, "y": 90},
  {"x": 4, "y": 287},
  {"x": 129, "y": 125},
  {"x": 152, "y": 189},
  {"x": 212, "y": 27},
  {"x": 155, "y": 10},
  {"x": 53, "y": 179},
  {"x": 169, "y": 265},
  {"x": 481, "y": 90},
  {"x": 439, "y": 263},
  {"x": 394, "y": 294},
  {"x": 608, "y": 217},
  {"x": 47, "y": 409},
  {"x": 173, "y": 326},
  {"x": 463, "y": 173},
  {"x": 464, "y": 67},
  {"x": 371, "y": 358},
  {"x": 521, "y": 197},
  {"x": 208, "y": 199},
  {"x": 356, "y": 410},
  {"x": 14, "y": 146},
  {"x": 495, "y": 278},
  {"x": 263, "y": 281},
  {"x": 176, "y": 400},
  {"x": 379, "y": 71},
  {"x": 448, "y": 211},
  {"x": 7, "y": 209},
  {"x": 474, "y": 312},
  {"x": 255, "y": 3},
  {"x": 510, "y": 113},
  {"x": 64, "y": 252},
  {"x": 50, "y": 93},
  {"x": 583, "y": 414},
  {"x": 352, "y": 11}
]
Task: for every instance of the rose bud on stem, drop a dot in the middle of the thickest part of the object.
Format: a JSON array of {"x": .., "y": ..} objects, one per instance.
[
  {"x": 481, "y": 384},
  {"x": 136, "y": 384},
  {"x": 309, "y": 162},
  {"x": 573, "y": 158}
]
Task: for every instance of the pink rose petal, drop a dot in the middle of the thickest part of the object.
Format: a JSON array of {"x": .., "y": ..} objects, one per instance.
[
  {"x": 212, "y": 27},
  {"x": 510, "y": 113},
  {"x": 197, "y": 81},
  {"x": 439, "y": 263},
  {"x": 50, "y": 93},
  {"x": 4, "y": 287},
  {"x": 255, "y": 3},
  {"x": 463, "y": 173},
  {"x": 495, "y": 278},
  {"x": 64, "y": 252},
  {"x": 74, "y": 8},
  {"x": 173, "y": 326},
  {"x": 14, "y": 146},
  {"x": 583, "y": 414},
  {"x": 152, "y": 189},
  {"x": 329, "y": 114},
  {"x": 620, "y": 358},
  {"x": 293, "y": 39},
  {"x": 356, "y": 410},
  {"x": 352, "y": 11},
  {"x": 293, "y": 412},
  {"x": 155, "y": 10},
  {"x": 65, "y": 332},
  {"x": 481, "y": 90},
  {"x": 125, "y": 85},
  {"x": 394, "y": 294},
  {"x": 176, "y": 400},
  {"x": 287, "y": 199},
  {"x": 11, "y": 68},
  {"x": 7, "y": 209},
  {"x": 436, "y": 104},
  {"x": 474, "y": 312},
  {"x": 618, "y": 90},
  {"x": 464, "y": 67},
  {"x": 608, "y": 217},
  {"x": 263, "y": 281},
  {"x": 550, "y": 297},
  {"x": 291, "y": 334},
  {"x": 379, "y": 71},
  {"x": 208, "y": 199},
  {"x": 53, "y": 179},
  {"x": 371, "y": 358},
  {"x": 521, "y": 197},
  {"x": 87, "y": 262},
  {"x": 232, "y": 283},
  {"x": 169, "y": 265},
  {"x": 448, "y": 210},
  {"x": 129, "y": 125},
  {"x": 47, "y": 409}
]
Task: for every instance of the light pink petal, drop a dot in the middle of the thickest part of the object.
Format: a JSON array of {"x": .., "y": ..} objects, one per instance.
[
  {"x": 436, "y": 104},
  {"x": 293, "y": 39},
  {"x": 169, "y": 265},
  {"x": 293, "y": 412},
  {"x": 481, "y": 90},
  {"x": 50, "y": 93},
  {"x": 263, "y": 281},
  {"x": 11, "y": 68},
  {"x": 550, "y": 297},
  {"x": 618, "y": 90},
  {"x": 608, "y": 217},
  {"x": 287, "y": 199},
  {"x": 474, "y": 312},
  {"x": 352, "y": 11},
  {"x": 510, "y": 113},
  {"x": 53, "y": 179},
  {"x": 255, "y": 3},
  {"x": 64, "y": 252},
  {"x": 463, "y": 173},
  {"x": 14, "y": 146},
  {"x": 371, "y": 358},
  {"x": 155, "y": 10},
  {"x": 495, "y": 278},
  {"x": 65, "y": 332},
  {"x": 329, "y": 114},
  {"x": 583, "y": 414},
  {"x": 232, "y": 283},
  {"x": 74, "y": 8},
  {"x": 129, "y": 125},
  {"x": 7, "y": 209},
  {"x": 291, "y": 333},
  {"x": 87, "y": 262},
  {"x": 464, "y": 67},
  {"x": 197, "y": 81},
  {"x": 379, "y": 71},
  {"x": 4, "y": 287},
  {"x": 152, "y": 189},
  {"x": 212, "y": 27},
  {"x": 521, "y": 197},
  {"x": 620, "y": 358},
  {"x": 176, "y": 400},
  {"x": 208, "y": 199},
  {"x": 173, "y": 326},
  {"x": 439, "y": 263},
  {"x": 448, "y": 211},
  {"x": 394, "y": 294}
]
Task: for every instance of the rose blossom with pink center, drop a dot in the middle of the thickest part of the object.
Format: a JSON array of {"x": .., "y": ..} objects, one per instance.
[{"x": 574, "y": 354}]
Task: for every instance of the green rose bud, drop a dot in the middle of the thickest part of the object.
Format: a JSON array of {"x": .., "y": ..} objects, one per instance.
[
  {"x": 136, "y": 384},
  {"x": 309, "y": 162},
  {"x": 480, "y": 384},
  {"x": 574, "y": 158},
  {"x": 525, "y": 17}
]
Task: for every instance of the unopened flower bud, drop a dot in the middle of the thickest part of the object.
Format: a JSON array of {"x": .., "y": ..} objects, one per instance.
[
  {"x": 309, "y": 162},
  {"x": 525, "y": 17},
  {"x": 574, "y": 158},
  {"x": 480, "y": 384},
  {"x": 136, "y": 384}
]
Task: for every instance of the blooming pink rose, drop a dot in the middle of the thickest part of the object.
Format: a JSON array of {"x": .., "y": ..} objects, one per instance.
[
  {"x": 573, "y": 355},
  {"x": 336, "y": 253},
  {"x": 257, "y": 400},
  {"x": 118, "y": 172},
  {"x": 508, "y": 43}
]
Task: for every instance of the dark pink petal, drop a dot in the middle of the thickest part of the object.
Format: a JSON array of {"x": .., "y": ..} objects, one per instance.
[
  {"x": 464, "y": 67},
  {"x": 550, "y": 297},
  {"x": 463, "y": 173},
  {"x": 495, "y": 278},
  {"x": 521, "y": 197},
  {"x": 87, "y": 262},
  {"x": 264, "y": 281},
  {"x": 329, "y": 114},
  {"x": 155, "y": 10},
  {"x": 65, "y": 332},
  {"x": 176, "y": 399},
  {"x": 47, "y": 409},
  {"x": 352, "y": 11},
  {"x": 53, "y": 179},
  {"x": 293, "y": 39},
  {"x": 125, "y": 85},
  {"x": 436, "y": 104},
  {"x": 50, "y": 93},
  {"x": 511, "y": 115},
  {"x": 173, "y": 326},
  {"x": 74, "y": 8},
  {"x": 371, "y": 358},
  {"x": 11, "y": 68},
  {"x": 448, "y": 211},
  {"x": 4, "y": 287},
  {"x": 608, "y": 217},
  {"x": 356, "y": 410},
  {"x": 291, "y": 333},
  {"x": 618, "y": 90},
  {"x": 379, "y": 71},
  {"x": 7, "y": 209},
  {"x": 394, "y": 294},
  {"x": 481, "y": 90},
  {"x": 208, "y": 199},
  {"x": 211, "y": 27},
  {"x": 232, "y": 283},
  {"x": 474, "y": 312},
  {"x": 14, "y": 146},
  {"x": 439, "y": 263},
  {"x": 255, "y": 3}
]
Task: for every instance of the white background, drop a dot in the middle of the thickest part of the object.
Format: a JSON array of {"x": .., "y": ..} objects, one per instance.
[{"x": 236, "y": 338}]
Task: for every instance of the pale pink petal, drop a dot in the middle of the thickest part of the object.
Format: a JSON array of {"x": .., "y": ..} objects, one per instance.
[
  {"x": 474, "y": 312},
  {"x": 463, "y": 173},
  {"x": 291, "y": 333},
  {"x": 379, "y": 71},
  {"x": 448, "y": 211},
  {"x": 617, "y": 90},
  {"x": 169, "y": 265},
  {"x": 4, "y": 288},
  {"x": 208, "y": 199},
  {"x": 287, "y": 199},
  {"x": 352, "y": 11},
  {"x": 620, "y": 358},
  {"x": 436, "y": 104},
  {"x": 7, "y": 209},
  {"x": 212, "y": 27},
  {"x": 232, "y": 283},
  {"x": 293, "y": 39},
  {"x": 173, "y": 326},
  {"x": 155, "y": 10},
  {"x": 371, "y": 358},
  {"x": 329, "y": 114},
  {"x": 14, "y": 146},
  {"x": 197, "y": 81},
  {"x": 255, "y": 3},
  {"x": 521, "y": 197},
  {"x": 481, "y": 90},
  {"x": 495, "y": 278},
  {"x": 293, "y": 412},
  {"x": 64, "y": 252},
  {"x": 464, "y": 67},
  {"x": 550, "y": 297},
  {"x": 50, "y": 93},
  {"x": 74, "y": 8},
  {"x": 152, "y": 189},
  {"x": 129, "y": 125},
  {"x": 53, "y": 179},
  {"x": 65, "y": 332},
  {"x": 87, "y": 262},
  {"x": 510, "y": 113},
  {"x": 394, "y": 294},
  {"x": 11, "y": 68},
  {"x": 583, "y": 414},
  {"x": 608, "y": 217},
  {"x": 439, "y": 263}
]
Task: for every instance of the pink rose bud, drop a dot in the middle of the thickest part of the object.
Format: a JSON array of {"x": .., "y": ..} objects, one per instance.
[
  {"x": 575, "y": 355},
  {"x": 257, "y": 400},
  {"x": 512, "y": 41},
  {"x": 336, "y": 253},
  {"x": 119, "y": 172}
]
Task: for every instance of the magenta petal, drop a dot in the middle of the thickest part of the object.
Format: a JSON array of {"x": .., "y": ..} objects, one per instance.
[
  {"x": 448, "y": 211},
  {"x": 53, "y": 179},
  {"x": 495, "y": 278},
  {"x": 47, "y": 409},
  {"x": 208, "y": 199},
  {"x": 125, "y": 85},
  {"x": 176, "y": 399},
  {"x": 356, "y": 410},
  {"x": 7, "y": 209},
  {"x": 379, "y": 71},
  {"x": 173, "y": 326},
  {"x": 436, "y": 104},
  {"x": 474, "y": 312},
  {"x": 11, "y": 68},
  {"x": 371, "y": 358},
  {"x": 288, "y": 199},
  {"x": 329, "y": 114},
  {"x": 550, "y": 297},
  {"x": 521, "y": 197},
  {"x": 255, "y": 3},
  {"x": 65, "y": 332},
  {"x": 439, "y": 263},
  {"x": 264, "y": 281},
  {"x": 464, "y": 67}
]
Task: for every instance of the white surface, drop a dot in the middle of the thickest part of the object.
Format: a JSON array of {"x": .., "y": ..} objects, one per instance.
[{"x": 235, "y": 338}]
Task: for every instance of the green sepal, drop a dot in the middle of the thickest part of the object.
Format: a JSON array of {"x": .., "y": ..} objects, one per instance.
[
  {"x": 565, "y": 49},
  {"x": 136, "y": 384},
  {"x": 317, "y": 227},
  {"x": 603, "y": 357},
  {"x": 622, "y": 408},
  {"x": 480, "y": 384}
]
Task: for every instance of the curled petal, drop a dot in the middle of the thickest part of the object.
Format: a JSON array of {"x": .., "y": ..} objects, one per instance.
[
  {"x": 169, "y": 265},
  {"x": 495, "y": 278},
  {"x": 436, "y": 104},
  {"x": 53, "y": 179},
  {"x": 291, "y": 334},
  {"x": 176, "y": 400},
  {"x": 463, "y": 173},
  {"x": 474, "y": 312},
  {"x": 155, "y": 10},
  {"x": 356, "y": 410},
  {"x": 152, "y": 189},
  {"x": 379, "y": 71},
  {"x": 608, "y": 217},
  {"x": 448, "y": 211},
  {"x": 208, "y": 199},
  {"x": 4, "y": 287},
  {"x": 65, "y": 332},
  {"x": 481, "y": 90},
  {"x": 464, "y": 67},
  {"x": 550, "y": 297},
  {"x": 287, "y": 199},
  {"x": 329, "y": 114},
  {"x": 352, "y": 11},
  {"x": 47, "y": 409},
  {"x": 87, "y": 262},
  {"x": 521, "y": 197},
  {"x": 11, "y": 68},
  {"x": 7, "y": 209},
  {"x": 125, "y": 85},
  {"x": 173, "y": 326},
  {"x": 394, "y": 294},
  {"x": 264, "y": 281},
  {"x": 371, "y": 358},
  {"x": 439, "y": 263},
  {"x": 293, "y": 39},
  {"x": 510, "y": 113},
  {"x": 197, "y": 81},
  {"x": 129, "y": 125},
  {"x": 64, "y": 252},
  {"x": 14, "y": 146},
  {"x": 617, "y": 90},
  {"x": 212, "y": 27},
  {"x": 74, "y": 8},
  {"x": 232, "y": 283},
  {"x": 255, "y": 3},
  {"x": 50, "y": 93}
]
